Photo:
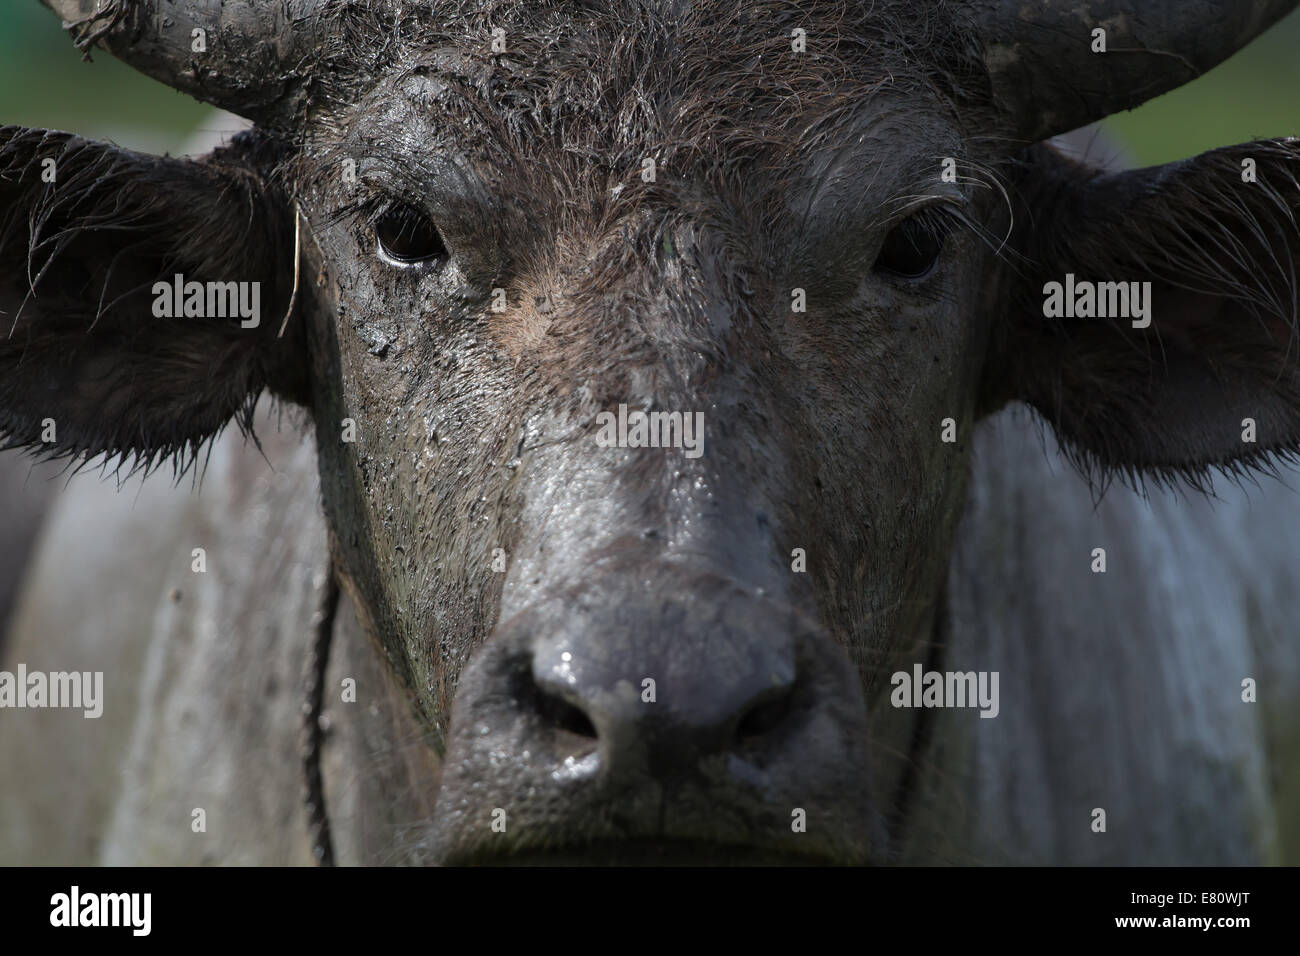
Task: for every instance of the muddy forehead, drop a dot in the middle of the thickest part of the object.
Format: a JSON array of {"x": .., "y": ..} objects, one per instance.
[
  {"x": 709, "y": 87},
  {"x": 454, "y": 129}
]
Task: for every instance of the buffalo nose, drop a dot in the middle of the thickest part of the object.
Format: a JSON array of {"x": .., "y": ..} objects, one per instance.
[
  {"x": 651, "y": 692},
  {"x": 704, "y": 714}
]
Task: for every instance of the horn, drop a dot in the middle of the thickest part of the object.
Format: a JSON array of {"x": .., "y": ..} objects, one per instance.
[
  {"x": 1047, "y": 79},
  {"x": 246, "y": 59}
]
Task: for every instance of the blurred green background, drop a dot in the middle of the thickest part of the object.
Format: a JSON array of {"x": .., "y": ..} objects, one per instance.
[{"x": 44, "y": 83}]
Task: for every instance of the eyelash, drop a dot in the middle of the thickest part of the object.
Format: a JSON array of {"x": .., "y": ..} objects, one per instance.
[
  {"x": 373, "y": 208},
  {"x": 938, "y": 220}
]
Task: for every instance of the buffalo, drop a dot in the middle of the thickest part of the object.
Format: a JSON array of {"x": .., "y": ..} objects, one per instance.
[{"x": 708, "y": 432}]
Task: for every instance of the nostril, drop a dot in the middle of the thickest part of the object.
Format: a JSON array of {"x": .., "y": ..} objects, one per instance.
[
  {"x": 549, "y": 708},
  {"x": 561, "y": 729},
  {"x": 764, "y": 717},
  {"x": 562, "y": 715}
]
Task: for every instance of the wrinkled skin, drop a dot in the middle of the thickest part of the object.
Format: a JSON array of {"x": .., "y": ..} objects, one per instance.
[{"x": 475, "y": 428}]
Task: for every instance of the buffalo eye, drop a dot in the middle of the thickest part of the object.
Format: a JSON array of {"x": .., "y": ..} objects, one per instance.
[
  {"x": 911, "y": 249},
  {"x": 407, "y": 237}
]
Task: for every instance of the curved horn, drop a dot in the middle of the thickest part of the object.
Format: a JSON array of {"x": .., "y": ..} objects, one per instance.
[
  {"x": 250, "y": 48},
  {"x": 1047, "y": 79}
]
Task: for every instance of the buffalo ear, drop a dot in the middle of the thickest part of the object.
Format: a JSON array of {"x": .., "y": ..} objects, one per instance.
[
  {"x": 91, "y": 361},
  {"x": 1214, "y": 379}
]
